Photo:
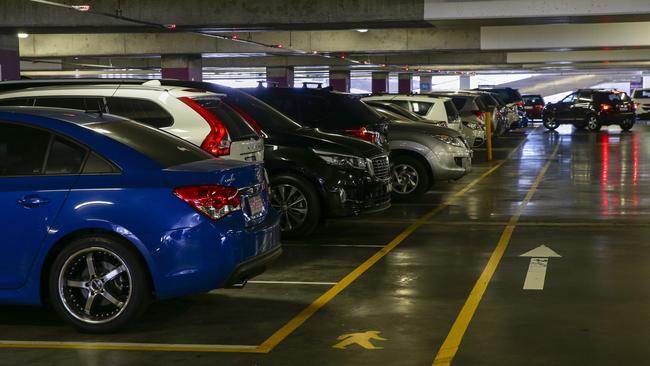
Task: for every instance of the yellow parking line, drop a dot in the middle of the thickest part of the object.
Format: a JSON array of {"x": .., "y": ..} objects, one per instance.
[
  {"x": 451, "y": 344},
  {"x": 115, "y": 346},
  {"x": 299, "y": 319}
]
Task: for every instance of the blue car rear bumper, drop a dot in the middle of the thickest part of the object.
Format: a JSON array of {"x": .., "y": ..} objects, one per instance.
[{"x": 214, "y": 255}]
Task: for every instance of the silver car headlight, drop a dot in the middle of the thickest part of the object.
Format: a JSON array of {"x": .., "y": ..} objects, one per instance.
[
  {"x": 343, "y": 161},
  {"x": 450, "y": 140},
  {"x": 473, "y": 125}
]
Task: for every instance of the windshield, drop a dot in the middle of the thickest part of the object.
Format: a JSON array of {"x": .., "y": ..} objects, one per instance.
[{"x": 159, "y": 146}]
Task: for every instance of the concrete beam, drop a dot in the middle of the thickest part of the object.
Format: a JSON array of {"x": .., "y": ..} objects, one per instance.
[
  {"x": 215, "y": 14},
  {"x": 579, "y": 56},
  {"x": 534, "y": 11},
  {"x": 562, "y": 36},
  {"x": 123, "y": 44}
]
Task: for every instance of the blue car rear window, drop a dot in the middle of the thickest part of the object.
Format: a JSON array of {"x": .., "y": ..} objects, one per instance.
[{"x": 161, "y": 147}]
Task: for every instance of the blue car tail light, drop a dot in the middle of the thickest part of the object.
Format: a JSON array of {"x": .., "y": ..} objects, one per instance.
[{"x": 212, "y": 200}]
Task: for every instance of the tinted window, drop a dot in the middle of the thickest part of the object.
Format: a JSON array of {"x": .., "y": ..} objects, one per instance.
[
  {"x": 21, "y": 102},
  {"x": 616, "y": 97},
  {"x": 349, "y": 111},
  {"x": 314, "y": 111},
  {"x": 401, "y": 103},
  {"x": 140, "y": 110},
  {"x": 421, "y": 108},
  {"x": 569, "y": 98},
  {"x": 264, "y": 115},
  {"x": 237, "y": 127},
  {"x": 459, "y": 102},
  {"x": 642, "y": 93},
  {"x": 95, "y": 164},
  {"x": 62, "y": 102},
  {"x": 452, "y": 112},
  {"x": 65, "y": 157},
  {"x": 584, "y": 96},
  {"x": 533, "y": 99},
  {"x": 22, "y": 149},
  {"x": 161, "y": 147}
]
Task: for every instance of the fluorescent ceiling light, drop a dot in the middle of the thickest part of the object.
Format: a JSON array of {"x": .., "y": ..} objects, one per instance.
[
  {"x": 22, "y": 35},
  {"x": 361, "y": 30}
]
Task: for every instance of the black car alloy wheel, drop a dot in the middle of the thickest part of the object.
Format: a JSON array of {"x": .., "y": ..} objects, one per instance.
[
  {"x": 592, "y": 123},
  {"x": 292, "y": 205},
  {"x": 551, "y": 122},
  {"x": 410, "y": 177}
]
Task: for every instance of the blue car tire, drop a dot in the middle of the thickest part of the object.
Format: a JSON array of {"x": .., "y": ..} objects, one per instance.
[{"x": 99, "y": 284}]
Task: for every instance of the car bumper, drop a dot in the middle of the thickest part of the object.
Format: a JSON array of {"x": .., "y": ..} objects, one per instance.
[
  {"x": 212, "y": 255},
  {"x": 354, "y": 196},
  {"x": 451, "y": 163},
  {"x": 615, "y": 118}
]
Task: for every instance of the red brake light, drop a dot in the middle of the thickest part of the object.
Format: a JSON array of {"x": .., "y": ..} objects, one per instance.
[
  {"x": 251, "y": 121},
  {"x": 478, "y": 114},
  {"x": 520, "y": 103},
  {"x": 605, "y": 107},
  {"x": 364, "y": 134},
  {"x": 539, "y": 106},
  {"x": 217, "y": 142},
  {"x": 634, "y": 107},
  {"x": 211, "y": 200}
]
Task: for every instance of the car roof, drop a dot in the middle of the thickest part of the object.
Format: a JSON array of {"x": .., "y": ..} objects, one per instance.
[{"x": 67, "y": 115}]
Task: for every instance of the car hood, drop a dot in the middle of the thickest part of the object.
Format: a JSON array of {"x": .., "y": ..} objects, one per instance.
[
  {"x": 420, "y": 127},
  {"x": 319, "y": 140}
]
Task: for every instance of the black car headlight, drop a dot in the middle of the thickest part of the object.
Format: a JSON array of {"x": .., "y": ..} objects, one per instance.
[
  {"x": 450, "y": 140},
  {"x": 343, "y": 161}
]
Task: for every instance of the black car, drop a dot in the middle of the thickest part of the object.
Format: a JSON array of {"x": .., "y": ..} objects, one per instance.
[
  {"x": 327, "y": 110},
  {"x": 591, "y": 109},
  {"x": 313, "y": 175}
]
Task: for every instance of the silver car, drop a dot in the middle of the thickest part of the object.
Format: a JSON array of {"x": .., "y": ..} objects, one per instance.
[{"x": 421, "y": 154}]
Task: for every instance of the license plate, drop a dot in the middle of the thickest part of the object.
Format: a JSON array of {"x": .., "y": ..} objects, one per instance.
[
  {"x": 256, "y": 205},
  {"x": 528, "y": 107},
  {"x": 623, "y": 108}
]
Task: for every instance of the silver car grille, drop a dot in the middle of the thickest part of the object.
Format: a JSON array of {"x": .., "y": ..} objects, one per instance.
[{"x": 381, "y": 167}]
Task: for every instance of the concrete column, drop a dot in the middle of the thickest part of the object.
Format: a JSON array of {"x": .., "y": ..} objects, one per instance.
[
  {"x": 405, "y": 83},
  {"x": 340, "y": 80},
  {"x": 379, "y": 82},
  {"x": 9, "y": 57},
  {"x": 465, "y": 82},
  {"x": 282, "y": 76},
  {"x": 182, "y": 67},
  {"x": 425, "y": 83}
]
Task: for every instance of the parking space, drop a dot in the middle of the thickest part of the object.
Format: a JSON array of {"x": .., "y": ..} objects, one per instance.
[{"x": 411, "y": 296}]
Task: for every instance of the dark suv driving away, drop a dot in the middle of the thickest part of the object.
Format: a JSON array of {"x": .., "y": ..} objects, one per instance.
[
  {"x": 533, "y": 105},
  {"x": 591, "y": 109}
]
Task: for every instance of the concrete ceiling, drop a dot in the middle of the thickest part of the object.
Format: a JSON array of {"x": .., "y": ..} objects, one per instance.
[{"x": 428, "y": 34}]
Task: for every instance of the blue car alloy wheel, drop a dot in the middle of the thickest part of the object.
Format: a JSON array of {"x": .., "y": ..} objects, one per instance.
[{"x": 103, "y": 214}]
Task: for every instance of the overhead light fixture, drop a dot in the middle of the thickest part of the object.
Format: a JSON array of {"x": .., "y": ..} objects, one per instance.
[
  {"x": 22, "y": 35},
  {"x": 361, "y": 30}
]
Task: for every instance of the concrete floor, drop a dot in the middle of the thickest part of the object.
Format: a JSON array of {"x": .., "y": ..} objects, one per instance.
[{"x": 589, "y": 202}]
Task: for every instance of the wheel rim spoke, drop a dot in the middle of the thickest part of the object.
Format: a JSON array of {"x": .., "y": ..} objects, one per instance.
[
  {"x": 76, "y": 284},
  {"x": 90, "y": 263},
  {"x": 89, "y": 302},
  {"x": 112, "y": 274},
  {"x": 107, "y": 295}
]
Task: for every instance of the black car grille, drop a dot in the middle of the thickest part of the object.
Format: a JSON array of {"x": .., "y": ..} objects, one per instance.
[{"x": 381, "y": 167}]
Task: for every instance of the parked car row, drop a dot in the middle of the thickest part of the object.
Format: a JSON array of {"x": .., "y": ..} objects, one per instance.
[{"x": 119, "y": 192}]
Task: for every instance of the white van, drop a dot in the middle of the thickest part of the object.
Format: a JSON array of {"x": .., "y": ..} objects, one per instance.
[
  {"x": 641, "y": 98},
  {"x": 194, "y": 115}
]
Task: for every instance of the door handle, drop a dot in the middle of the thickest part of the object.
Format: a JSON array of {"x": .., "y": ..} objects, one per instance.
[{"x": 33, "y": 201}]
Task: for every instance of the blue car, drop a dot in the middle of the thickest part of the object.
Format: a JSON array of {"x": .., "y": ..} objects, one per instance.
[{"x": 99, "y": 215}]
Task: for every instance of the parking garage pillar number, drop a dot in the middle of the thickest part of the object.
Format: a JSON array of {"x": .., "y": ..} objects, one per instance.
[{"x": 536, "y": 274}]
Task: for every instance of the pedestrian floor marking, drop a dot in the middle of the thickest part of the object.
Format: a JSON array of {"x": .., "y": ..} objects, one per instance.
[
  {"x": 360, "y": 339},
  {"x": 450, "y": 346}
]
